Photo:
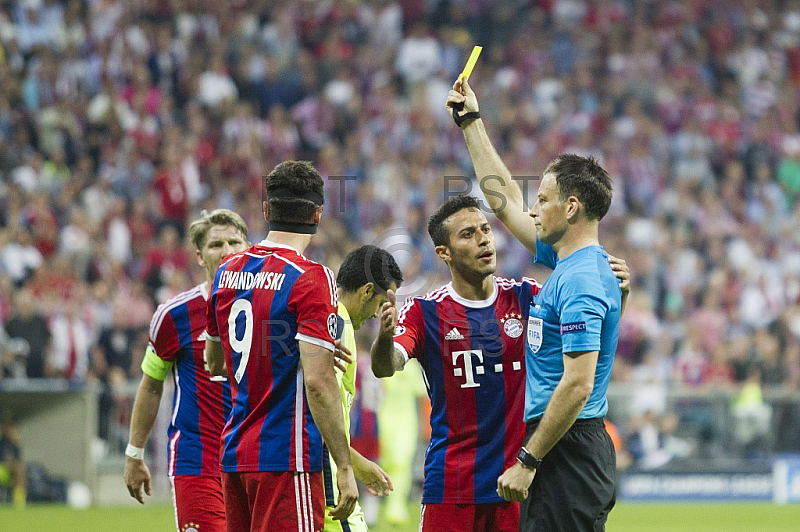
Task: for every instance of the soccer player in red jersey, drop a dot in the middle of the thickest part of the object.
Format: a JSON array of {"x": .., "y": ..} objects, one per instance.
[
  {"x": 271, "y": 323},
  {"x": 469, "y": 338},
  {"x": 200, "y": 405}
]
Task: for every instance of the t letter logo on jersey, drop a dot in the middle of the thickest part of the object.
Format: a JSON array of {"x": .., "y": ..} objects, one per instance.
[{"x": 468, "y": 367}]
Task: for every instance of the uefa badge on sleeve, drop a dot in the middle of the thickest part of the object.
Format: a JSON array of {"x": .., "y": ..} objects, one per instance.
[{"x": 399, "y": 330}]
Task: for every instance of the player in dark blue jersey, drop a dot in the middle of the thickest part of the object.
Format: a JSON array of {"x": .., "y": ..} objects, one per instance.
[
  {"x": 271, "y": 323},
  {"x": 200, "y": 404},
  {"x": 566, "y": 470}
]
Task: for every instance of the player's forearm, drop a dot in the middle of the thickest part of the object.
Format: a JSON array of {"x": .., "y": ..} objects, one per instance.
[
  {"x": 324, "y": 400},
  {"x": 145, "y": 410},
  {"x": 569, "y": 398},
  {"x": 501, "y": 192},
  {"x": 384, "y": 357},
  {"x": 360, "y": 464}
]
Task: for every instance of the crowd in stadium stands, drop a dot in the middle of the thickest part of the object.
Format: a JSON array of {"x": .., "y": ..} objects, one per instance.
[{"x": 120, "y": 120}]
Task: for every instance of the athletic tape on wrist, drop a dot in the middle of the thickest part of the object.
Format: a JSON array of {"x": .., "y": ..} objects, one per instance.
[{"x": 137, "y": 453}]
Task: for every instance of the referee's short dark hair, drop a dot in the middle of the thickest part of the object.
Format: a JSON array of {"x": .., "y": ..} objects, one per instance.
[
  {"x": 584, "y": 178},
  {"x": 301, "y": 179},
  {"x": 437, "y": 228},
  {"x": 369, "y": 264}
]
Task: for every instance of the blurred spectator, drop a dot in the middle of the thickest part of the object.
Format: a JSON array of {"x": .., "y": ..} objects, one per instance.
[
  {"x": 163, "y": 259},
  {"x": 418, "y": 56},
  {"x": 752, "y": 417},
  {"x": 12, "y": 468},
  {"x": 215, "y": 85},
  {"x": 69, "y": 350},
  {"x": 691, "y": 364},
  {"x": 19, "y": 256},
  {"x": 111, "y": 355},
  {"x": 29, "y": 325},
  {"x": 789, "y": 167},
  {"x": 652, "y": 442}
]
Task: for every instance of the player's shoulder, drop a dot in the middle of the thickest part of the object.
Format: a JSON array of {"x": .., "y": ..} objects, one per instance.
[
  {"x": 314, "y": 273},
  {"x": 234, "y": 261},
  {"x": 436, "y": 296},
  {"x": 510, "y": 284},
  {"x": 291, "y": 257},
  {"x": 181, "y": 299},
  {"x": 313, "y": 267},
  {"x": 588, "y": 275},
  {"x": 177, "y": 302},
  {"x": 433, "y": 297},
  {"x": 593, "y": 266}
]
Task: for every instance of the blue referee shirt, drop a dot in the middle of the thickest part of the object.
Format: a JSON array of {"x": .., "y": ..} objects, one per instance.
[{"x": 577, "y": 309}]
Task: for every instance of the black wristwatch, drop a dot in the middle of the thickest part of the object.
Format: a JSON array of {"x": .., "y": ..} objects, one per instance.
[{"x": 527, "y": 459}]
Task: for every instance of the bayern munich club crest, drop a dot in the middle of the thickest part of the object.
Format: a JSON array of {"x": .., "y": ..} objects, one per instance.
[{"x": 512, "y": 325}]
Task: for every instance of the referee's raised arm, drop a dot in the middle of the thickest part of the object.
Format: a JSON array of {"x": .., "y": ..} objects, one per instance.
[{"x": 503, "y": 194}]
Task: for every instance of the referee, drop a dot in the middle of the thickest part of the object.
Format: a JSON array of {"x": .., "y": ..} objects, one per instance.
[{"x": 565, "y": 473}]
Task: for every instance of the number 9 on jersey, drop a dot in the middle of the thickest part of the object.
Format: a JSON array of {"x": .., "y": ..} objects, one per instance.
[{"x": 244, "y": 344}]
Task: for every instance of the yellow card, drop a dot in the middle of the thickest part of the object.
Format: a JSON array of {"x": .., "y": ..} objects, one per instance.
[{"x": 473, "y": 58}]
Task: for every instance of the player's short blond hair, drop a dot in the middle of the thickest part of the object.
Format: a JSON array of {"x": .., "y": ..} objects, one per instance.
[{"x": 198, "y": 230}]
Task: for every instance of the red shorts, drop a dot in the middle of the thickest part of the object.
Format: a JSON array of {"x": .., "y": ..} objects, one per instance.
[
  {"x": 266, "y": 501},
  {"x": 198, "y": 503},
  {"x": 489, "y": 517}
]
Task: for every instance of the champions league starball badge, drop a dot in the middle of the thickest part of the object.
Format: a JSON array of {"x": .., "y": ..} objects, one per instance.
[{"x": 332, "y": 325}]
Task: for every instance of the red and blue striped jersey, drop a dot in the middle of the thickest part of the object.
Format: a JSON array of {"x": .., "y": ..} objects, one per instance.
[
  {"x": 263, "y": 302},
  {"x": 472, "y": 355},
  {"x": 200, "y": 406}
]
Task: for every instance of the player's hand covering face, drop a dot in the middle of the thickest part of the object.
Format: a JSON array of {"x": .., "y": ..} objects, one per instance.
[{"x": 388, "y": 315}]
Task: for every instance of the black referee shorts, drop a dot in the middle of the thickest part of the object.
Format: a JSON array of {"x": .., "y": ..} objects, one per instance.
[{"x": 573, "y": 489}]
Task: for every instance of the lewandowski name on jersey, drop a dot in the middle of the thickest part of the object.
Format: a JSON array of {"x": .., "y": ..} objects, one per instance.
[{"x": 249, "y": 280}]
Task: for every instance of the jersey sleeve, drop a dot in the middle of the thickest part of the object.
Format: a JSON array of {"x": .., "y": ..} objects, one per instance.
[
  {"x": 155, "y": 367},
  {"x": 531, "y": 286},
  {"x": 164, "y": 336},
  {"x": 526, "y": 291},
  {"x": 315, "y": 304},
  {"x": 545, "y": 255},
  {"x": 410, "y": 330},
  {"x": 582, "y": 310},
  {"x": 212, "y": 328}
]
